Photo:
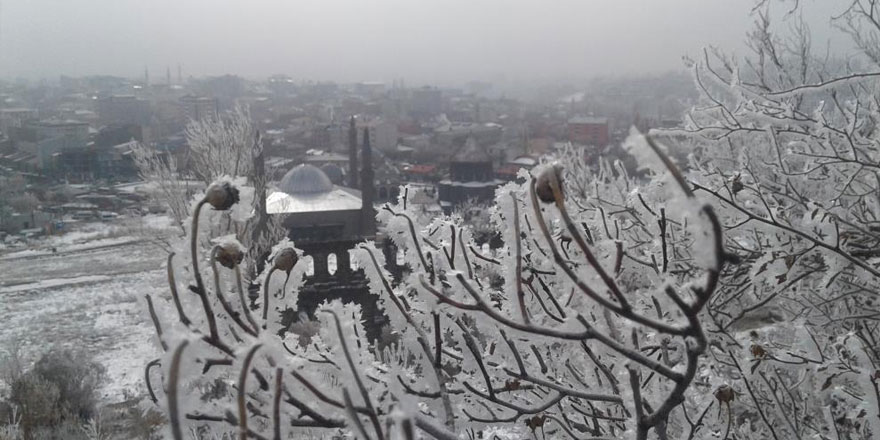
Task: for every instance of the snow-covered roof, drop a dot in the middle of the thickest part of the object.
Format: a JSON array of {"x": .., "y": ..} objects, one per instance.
[
  {"x": 526, "y": 161},
  {"x": 474, "y": 184},
  {"x": 337, "y": 199},
  {"x": 306, "y": 188},
  {"x": 305, "y": 179}
]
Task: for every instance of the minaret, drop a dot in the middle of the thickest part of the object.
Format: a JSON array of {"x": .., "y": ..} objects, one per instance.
[
  {"x": 368, "y": 222},
  {"x": 146, "y": 76},
  {"x": 167, "y": 75},
  {"x": 352, "y": 155}
]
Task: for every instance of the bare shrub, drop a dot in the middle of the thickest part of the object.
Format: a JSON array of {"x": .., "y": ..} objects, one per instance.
[{"x": 54, "y": 397}]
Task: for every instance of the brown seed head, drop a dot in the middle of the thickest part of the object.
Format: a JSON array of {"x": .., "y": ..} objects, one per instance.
[
  {"x": 229, "y": 255},
  {"x": 725, "y": 394},
  {"x": 285, "y": 259},
  {"x": 221, "y": 195},
  {"x": 548, "y": 177},
  {"x": 758, "y": 351}
]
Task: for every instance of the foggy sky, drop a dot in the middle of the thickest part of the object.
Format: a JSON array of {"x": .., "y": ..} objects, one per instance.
[{"x": 423, "y": 41}]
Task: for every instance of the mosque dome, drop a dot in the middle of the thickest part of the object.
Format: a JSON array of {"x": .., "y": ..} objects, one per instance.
[
  {"x": 334, "y": 173},
  {"x": 305, "y": 180}
]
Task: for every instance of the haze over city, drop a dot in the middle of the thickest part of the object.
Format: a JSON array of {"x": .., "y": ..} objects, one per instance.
[{"x": 428, "y": 42}]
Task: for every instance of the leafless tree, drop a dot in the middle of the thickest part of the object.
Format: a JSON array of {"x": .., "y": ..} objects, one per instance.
[
  {"x": 786, "y": 147},
  {"x": 577, "y": 341}
]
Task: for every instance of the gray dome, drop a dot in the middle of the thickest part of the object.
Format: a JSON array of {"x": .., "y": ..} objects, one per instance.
[
  {"x": 334, "y": 173},
  {"x": 305, "y": 179}
]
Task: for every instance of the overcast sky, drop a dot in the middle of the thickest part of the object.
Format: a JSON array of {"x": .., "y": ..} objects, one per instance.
[{"x": 423, "y": 41}]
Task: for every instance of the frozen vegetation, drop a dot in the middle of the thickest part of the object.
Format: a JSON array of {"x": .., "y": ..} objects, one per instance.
[{"x": 86, "y": 295}]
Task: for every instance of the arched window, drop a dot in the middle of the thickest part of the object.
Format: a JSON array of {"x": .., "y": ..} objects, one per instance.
[
  {"x": 331, "y": 264},
  {"x": 310, "y": 265},
  {"x": 352, "y": 260}
]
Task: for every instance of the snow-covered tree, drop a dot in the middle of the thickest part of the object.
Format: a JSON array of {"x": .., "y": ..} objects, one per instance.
[
  {"x": 735, "y": 299},
  {"x": 586, "y": 323},
  {"x": 787, "y": 150},
  {"x": 226, "y": 145}
]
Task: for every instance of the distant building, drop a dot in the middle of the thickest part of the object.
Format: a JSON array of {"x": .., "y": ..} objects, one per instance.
[
  {"x": 426, "y": 102},
  {"x": 16, "y": 118},
  {"x": 54, "y": 136},
  {"x": 326, "y": 221},
  {"x": 16, "y": 222},
  {"x": 112, "y": 162},
  {"x": 420, "y": 173},
  {"x": 372, "y": 89},
  {"x": 510, "y": 170},
  {"x": 453, "y": 133},
  {"x": 199, "y": 107},
  {"x": 124, "y": 109},
  {"x": 383, "y": 134},
  {"x": 471, "y": 178},
  {"x": 588, "y": 130}
]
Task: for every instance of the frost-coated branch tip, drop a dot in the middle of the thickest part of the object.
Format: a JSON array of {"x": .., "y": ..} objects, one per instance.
[{"x": 221, "y": 195}]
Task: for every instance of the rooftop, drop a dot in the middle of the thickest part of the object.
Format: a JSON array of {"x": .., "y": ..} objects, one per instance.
[
  {"x": 587, "y": 120},
  {"x": 306, "y": 188},
  {"x": 305, "y": 179}
]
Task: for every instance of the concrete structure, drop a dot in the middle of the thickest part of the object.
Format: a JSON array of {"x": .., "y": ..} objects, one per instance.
[
  {"x": 588, "y": 130},
  {"x": 471, "y": 178},
  {"x": 426, "y": 102},
  {"x": 113, "y": 162},
  {"x": 383, "y": 134},
  {"x": 16, "y": 118},
  {"x": 54, "y": 136},
  {"x": 326, "y": 221},
  {"x": 124, "y": 109},
  {"x": 199, "y": 107}
]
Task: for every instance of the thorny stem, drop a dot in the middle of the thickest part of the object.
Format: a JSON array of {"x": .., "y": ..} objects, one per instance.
[
  {"x": 150, "y": 365},
  {"x": 174, "y": 296},
  {"x": 200, "y": 285},
  {"x": 276, "y": 405},
  {"x": 520, "y": 295},
  {"x": 422, "y": 337},
  {"x": 235, "y": 316},
  {"x": 243, "y": 300},
  {"x": 561, "y": 263},
  {"x": 156, "y": 323},
  {"x": 174, "y": 377},
  {"x": 242, "y": 392},
  {"x": 365, "y": 395},
  {"x": 266, "y": 298}
]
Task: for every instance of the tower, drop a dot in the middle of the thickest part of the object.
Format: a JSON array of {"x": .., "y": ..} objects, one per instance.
[
  {"x": 167, "y": 75},
  {"x": 352, "y": 155},
  {"x": 368, "y": 222}
]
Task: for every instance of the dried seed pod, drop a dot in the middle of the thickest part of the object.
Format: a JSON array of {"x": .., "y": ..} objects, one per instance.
[
  {"x": 221, "y": 195},
  {"x": 725, "y": 394},
  {"x": 758, "y": 351},
  {"x": 548, "y": 177},
  {"x": 736, "y": 186},
  {"x": 229, "y": 255},
  {"x": 285, "y": 259}
]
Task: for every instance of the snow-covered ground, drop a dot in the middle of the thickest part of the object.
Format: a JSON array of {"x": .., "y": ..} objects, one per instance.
[{"x": 88, "y": 293}]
